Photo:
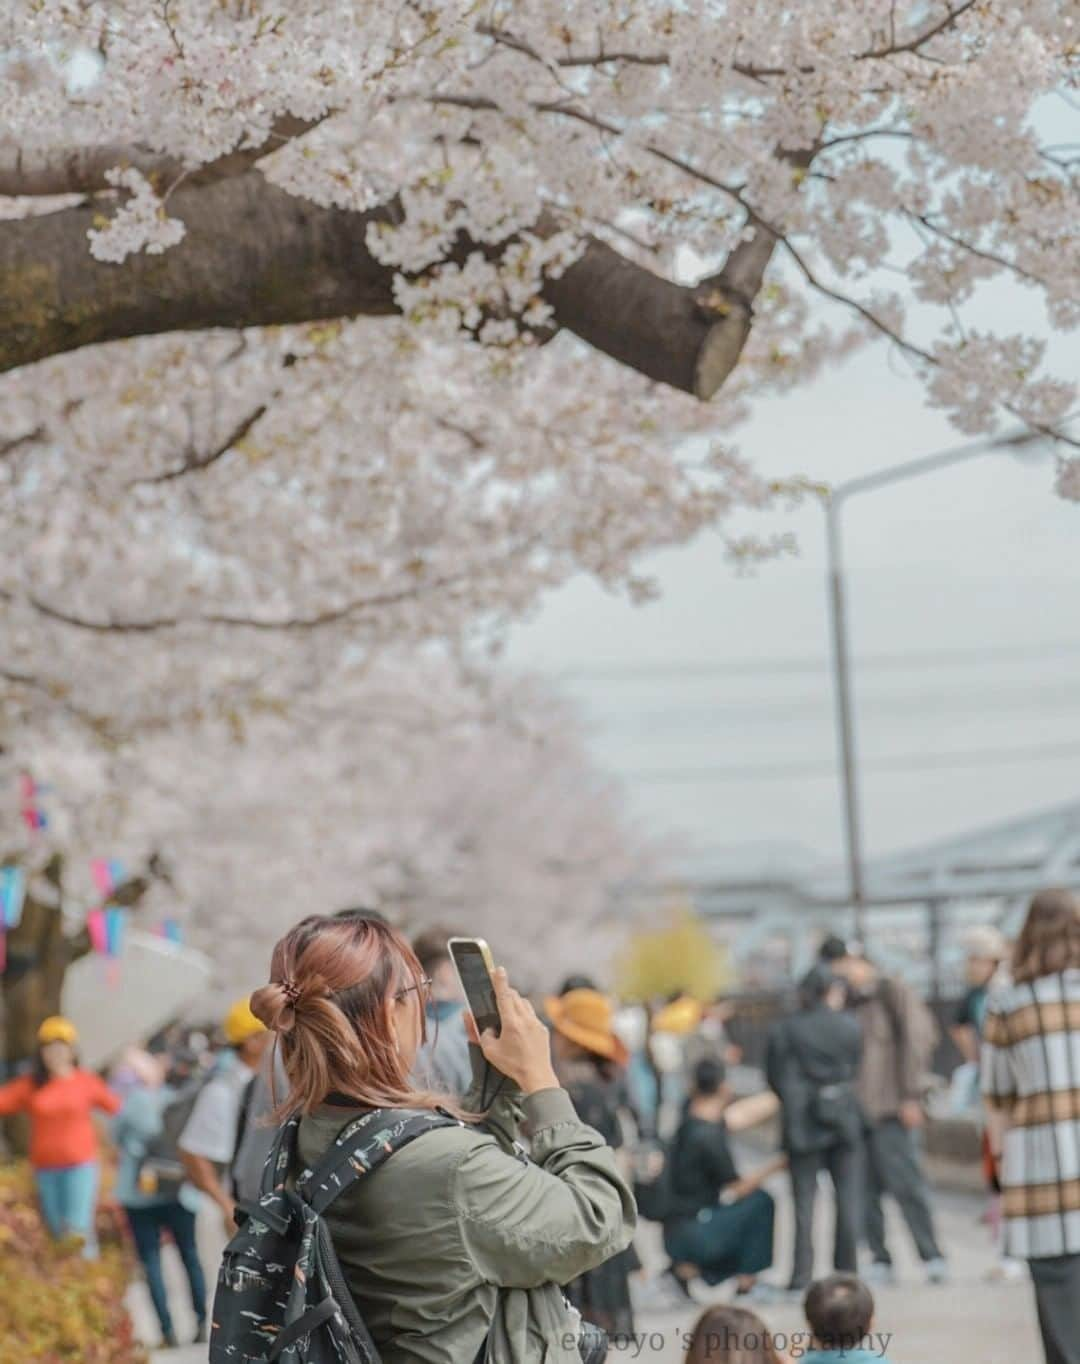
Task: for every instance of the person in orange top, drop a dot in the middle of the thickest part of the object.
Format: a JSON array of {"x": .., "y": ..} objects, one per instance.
[{"x": 59, "y": 1098}]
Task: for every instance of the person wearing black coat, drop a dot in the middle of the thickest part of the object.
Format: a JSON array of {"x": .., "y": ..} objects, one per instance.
[{"x": 812, "y": 1058}]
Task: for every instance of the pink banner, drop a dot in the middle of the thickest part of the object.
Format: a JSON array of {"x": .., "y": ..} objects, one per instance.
[{"x": 95, "y": 926}]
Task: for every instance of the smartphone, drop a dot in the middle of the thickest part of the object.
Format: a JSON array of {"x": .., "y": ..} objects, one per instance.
[{"x": 474, "y": 966}]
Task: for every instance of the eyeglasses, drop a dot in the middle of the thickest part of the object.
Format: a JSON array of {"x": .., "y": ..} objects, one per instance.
[{"x": 420, "y": 985}]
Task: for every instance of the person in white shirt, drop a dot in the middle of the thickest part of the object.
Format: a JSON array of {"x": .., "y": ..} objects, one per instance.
[{"x": 215, "y": 1130}]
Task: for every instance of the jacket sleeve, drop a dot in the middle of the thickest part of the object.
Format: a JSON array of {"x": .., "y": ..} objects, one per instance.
[
  {"x": 102, "y": 1097},
  {"x": 526, "y": 1223},
  {"x": 775, "y": 1056},
  {"x": 137, "y": 1120},
  {"x": 124, "y": 1126},
  {"x": 15, "y": 1096},
  {"x": 911, "y": 1062},
  {"x": 997, "y": 1080},
  {"x": 854, "y": 1041}
]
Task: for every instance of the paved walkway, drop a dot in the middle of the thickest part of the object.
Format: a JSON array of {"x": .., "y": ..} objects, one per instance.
[{"x": 970, "y": 1318}]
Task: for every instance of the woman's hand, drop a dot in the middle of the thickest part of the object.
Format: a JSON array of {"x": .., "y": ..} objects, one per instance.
[{"x": 522, "y": 1050}]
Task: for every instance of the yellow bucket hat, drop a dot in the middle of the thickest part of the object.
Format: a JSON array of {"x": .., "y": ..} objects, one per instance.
[
  {"x": 57, "y": 1029},
  {"x": 241, "y": 1023},
  {"x": 587, "y": 1017}
]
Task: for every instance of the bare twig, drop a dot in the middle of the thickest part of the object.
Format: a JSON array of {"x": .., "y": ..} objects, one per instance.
[
  {"x": 9, "y": 447},
  {"x": 626, "y": 57},
  {"x": 196, "y": 462},
  {"x": 158, "y": 624},
  {"x": 56, "y": 694},
  {"x": 920, "y": 39},
  {"x": 989, "y": 256}
]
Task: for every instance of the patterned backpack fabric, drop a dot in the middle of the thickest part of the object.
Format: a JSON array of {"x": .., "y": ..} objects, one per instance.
[{"x": 281, "y": 1295}]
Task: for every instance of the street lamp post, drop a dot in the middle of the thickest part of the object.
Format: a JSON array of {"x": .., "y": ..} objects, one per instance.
[{"x": 841, "y": 657}]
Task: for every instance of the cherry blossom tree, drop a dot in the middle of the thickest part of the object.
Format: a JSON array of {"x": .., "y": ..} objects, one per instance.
[
  {"x": 721, "y": 198},
  {"x": 225, "y": 522},
  {"x": 439, "y": 796},
  {"x": 333, "y": 328}
]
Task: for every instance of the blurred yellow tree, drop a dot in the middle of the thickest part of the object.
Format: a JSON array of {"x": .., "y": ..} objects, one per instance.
[{"x": 682, "y": 956}]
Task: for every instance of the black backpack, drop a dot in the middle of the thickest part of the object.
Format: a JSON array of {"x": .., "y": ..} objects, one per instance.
[
  {"x": 281, "y": 1294},
  {"x": 161, "y": 1171}
]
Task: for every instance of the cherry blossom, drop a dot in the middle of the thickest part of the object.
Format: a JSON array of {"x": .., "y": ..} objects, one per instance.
[
  {"x": 334, "y": 335},
  {"x": 443, "y": 797}
]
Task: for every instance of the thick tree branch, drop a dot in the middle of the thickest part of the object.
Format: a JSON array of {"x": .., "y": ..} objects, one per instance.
[
  {"x": 254, "y": 255},
  {"x": 41, "y": 172}
]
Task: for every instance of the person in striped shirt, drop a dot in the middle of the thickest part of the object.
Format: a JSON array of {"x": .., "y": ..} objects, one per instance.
[{"x": 1030, "y": 1065}]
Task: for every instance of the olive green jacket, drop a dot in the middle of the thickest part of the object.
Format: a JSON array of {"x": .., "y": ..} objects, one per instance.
[{"x": 459, "y": 1238}]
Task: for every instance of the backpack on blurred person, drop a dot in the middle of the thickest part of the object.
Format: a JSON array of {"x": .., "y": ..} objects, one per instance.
[{"x": 161, "y": 1171}]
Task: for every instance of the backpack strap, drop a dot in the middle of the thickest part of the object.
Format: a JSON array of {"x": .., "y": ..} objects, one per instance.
[
  {"x": 361, "y": 1146},
  {"x": 243, "y": 1120},
  {"x": 276, "y": 1167}
]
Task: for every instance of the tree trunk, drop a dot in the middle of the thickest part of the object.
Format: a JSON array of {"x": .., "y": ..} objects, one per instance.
[{"x": 38, "y": 956}]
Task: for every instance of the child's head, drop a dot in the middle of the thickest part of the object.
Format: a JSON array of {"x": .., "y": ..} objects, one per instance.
[
  {"x": 839, "y": 1311},
  {"x": 731, "y": 1335},
  {"x": 709, "y": 1078}
]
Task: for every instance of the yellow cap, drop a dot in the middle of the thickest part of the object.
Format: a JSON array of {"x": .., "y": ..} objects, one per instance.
[
  {"x": 57, "y": 1029},
  {"x": 681, "y": 1016},
  {"x": 241, "y": 1023}
]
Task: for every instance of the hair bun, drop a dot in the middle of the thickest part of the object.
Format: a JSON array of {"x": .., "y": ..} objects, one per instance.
[
  {"x": 272, "y": 1006},
  {"x": 278, "y": 1003}
]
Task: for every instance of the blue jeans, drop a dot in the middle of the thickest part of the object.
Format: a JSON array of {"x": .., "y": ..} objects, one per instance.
[
  {"x": 725, "y": 1239},
  {"x": 147, "y": 1225},
  {"x": 68, "y": 1198}
]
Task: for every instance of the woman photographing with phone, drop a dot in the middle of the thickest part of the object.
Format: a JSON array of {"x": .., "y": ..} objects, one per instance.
[{"x": 453, "y": 1249}]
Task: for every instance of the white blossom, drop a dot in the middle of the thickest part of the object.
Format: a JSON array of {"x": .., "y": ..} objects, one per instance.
[{"x": 139, "y": 224}]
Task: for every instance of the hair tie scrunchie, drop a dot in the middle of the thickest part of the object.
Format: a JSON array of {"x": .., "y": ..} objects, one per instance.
[{"x": 291, "y": 991}]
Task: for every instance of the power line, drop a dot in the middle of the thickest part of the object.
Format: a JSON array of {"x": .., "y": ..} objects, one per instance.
[
  {"x": 897, "y": 762},
  {"x": 921, "y": 658},
  {"x": 1036, "y": 699}
]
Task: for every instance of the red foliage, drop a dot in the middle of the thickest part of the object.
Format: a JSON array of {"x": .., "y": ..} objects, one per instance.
[{"x": 56, "y": 1307}]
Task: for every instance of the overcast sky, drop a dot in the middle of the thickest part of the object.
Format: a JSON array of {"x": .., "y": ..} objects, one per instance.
[{"x": 714, "y": 705}]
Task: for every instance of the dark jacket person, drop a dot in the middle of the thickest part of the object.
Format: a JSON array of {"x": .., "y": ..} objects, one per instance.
[{"x": 812, "y": 1061}]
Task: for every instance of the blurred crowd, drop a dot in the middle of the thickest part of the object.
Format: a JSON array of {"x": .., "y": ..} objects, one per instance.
[{"x": 842, "y": 1100}]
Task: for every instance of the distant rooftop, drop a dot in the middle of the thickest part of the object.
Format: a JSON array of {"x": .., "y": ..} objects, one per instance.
[{"x": 1007, "y": 860}]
